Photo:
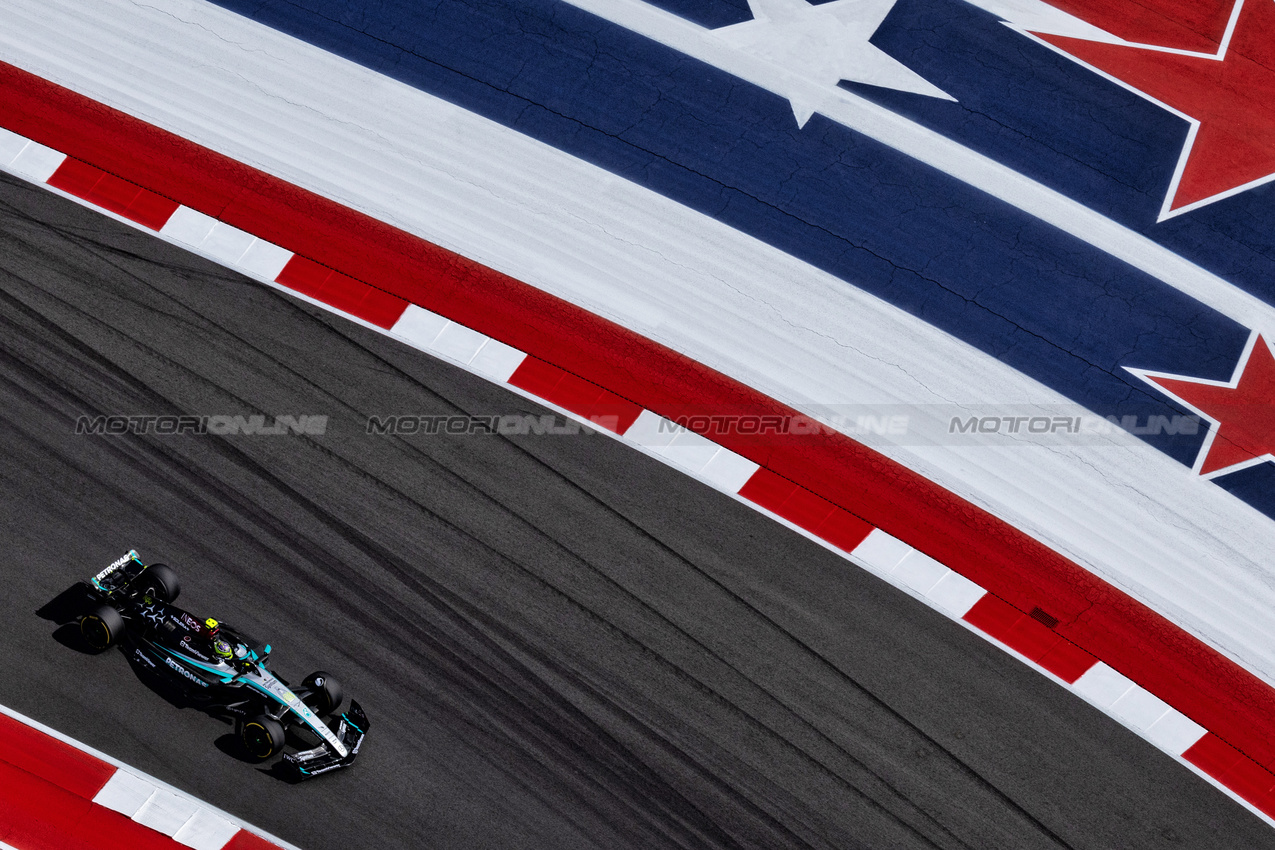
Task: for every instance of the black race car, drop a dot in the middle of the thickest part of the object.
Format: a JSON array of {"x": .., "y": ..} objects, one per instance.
[{"x": 220, "y": 669}]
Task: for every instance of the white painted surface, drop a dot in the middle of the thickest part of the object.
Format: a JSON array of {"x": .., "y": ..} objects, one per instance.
[
  {"x": 689, "y": 450},
  {"x": 36, "y": 162},
  {"x": 205, "y": 830},
  {"x": 419, "y": 326},
  {"x": 188, "y": 226},
  {"x": 1124, "y": 511},
  {"x": 226, "y": 244},
  {"x": 497, "y": 361},
  {"x": 458, "y": 342},
  {"x": 919, "y": 572},
  {"x": 881, "y": 552},
  {"x": 810, "y": 49},
  {"x": 11, "y": 144},
  {"x": 264, "y": 259},
  {"x": 165, "y": 811},
  {"x": 1175, "y": 732},
  {"x": 651, "y": 431},
  {"x": 955, "y": 594},
  {"x": 729, "y": 471},
  {"x": 1139, "y": 709},
  {"x": 1102, "y": 686},
  {"x": 125, "y": 792}
]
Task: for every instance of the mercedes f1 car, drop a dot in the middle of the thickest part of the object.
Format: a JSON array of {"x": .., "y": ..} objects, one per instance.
[{"x": 220, "y": 669}]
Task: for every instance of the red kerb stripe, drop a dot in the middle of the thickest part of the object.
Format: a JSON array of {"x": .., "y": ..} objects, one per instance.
[
  {"x": 113, "y": 193},
  {"x": 46, "y": 757}
]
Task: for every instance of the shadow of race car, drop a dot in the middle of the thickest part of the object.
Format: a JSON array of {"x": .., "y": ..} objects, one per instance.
[{"x": 220, "y": 669}]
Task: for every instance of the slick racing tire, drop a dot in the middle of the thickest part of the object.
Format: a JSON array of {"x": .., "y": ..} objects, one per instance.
[
  {"x": 158, "y": 581},
  {"x": 325, "y": 693},
  {"x": 101, "y": 627},
  {"x": 262, "y": 736}
]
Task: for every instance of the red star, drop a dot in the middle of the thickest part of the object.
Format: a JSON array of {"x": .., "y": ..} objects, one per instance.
[
  {"x": 1230, "y": 98},
  {"x": 1242, "y": 410}
]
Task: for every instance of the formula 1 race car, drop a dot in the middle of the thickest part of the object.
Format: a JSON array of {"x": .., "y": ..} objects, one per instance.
[{"x": 220, "y": 669}]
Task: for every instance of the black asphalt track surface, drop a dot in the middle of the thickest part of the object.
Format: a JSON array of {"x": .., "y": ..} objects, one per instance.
[{"x": 560, "y": 642}]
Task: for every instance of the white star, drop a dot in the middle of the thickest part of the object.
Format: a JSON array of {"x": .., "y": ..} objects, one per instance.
[{"x": 822, "y": 45}]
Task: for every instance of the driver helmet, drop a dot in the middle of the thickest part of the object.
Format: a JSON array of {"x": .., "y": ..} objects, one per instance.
[{"x": 221, "y": 648}]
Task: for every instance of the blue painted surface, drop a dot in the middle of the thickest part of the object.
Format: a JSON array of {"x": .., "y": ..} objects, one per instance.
[{"x": 1041, "y": 301}]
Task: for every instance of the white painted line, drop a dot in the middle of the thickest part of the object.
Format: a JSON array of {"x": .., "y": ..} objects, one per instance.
[
  {"x": 690, "y": 450},
  {"x": 651, "y": 431},
  {"x": 1139, "y": 708},
  {"x": 729, "y": 471},
  {"x": 419, "y": 327},
  {"x": 165, "y": 811},
  {"x": 496, "y": 361},
  {"x": 1102, "y": 686},
  {"x": 124, "y": 792},
  {"x": 881, "y": 552},
  {"x": 36, "y": 162},
  {"x": 955, "y": 594},
  {"x": 188, "y": 227},
  {"x": 264, "y": 259},
  {"x": 206, "y": 831},
  {"x": 1175, "y": 732},
  {"x": 227, "y": 244},
  {"x": 11, "y": 144},
  {"x": 458, "y": 343},
  {"x": 919, "y": 572}
]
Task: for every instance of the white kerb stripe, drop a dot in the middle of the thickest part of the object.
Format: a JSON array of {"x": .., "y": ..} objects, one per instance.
[
  {"x": 1175, "y": 733},
  {"x": 458, "y": 343},
  {"x": 206, "y": 831},
  {"x": 689, "y": 450},
  {"x": 11, "y": 144},
  {"x": 227, "y": 244},
  {"x": 264, "y": 260},
  {"x": 919, "y": 572},
  {"x": 36, "y": 162},
  {"x": 651, "y": 431},
  {"x": 729, "y": 471},
  {"x": 165, "y": 811},
  {"x": 881, "y": 552},
  {"x": 419, "y": 327},
  {"x": 188, "y": 227},
  {"x": 1102, "y": 686},
  {"x": 497, "y": 361},
  {"x": 1139, "y": 708},
  {"x": 124, "y": 793},
  {"x": 955, "y": 594}
]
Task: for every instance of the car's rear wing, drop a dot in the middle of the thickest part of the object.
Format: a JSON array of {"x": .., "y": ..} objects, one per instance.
[
  {"x": 114, "y": 567},
  {"x": 350, "y": 731}
]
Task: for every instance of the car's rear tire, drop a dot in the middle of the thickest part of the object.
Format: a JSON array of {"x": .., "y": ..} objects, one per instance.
[
  {"x": 101, "y": 627},
  {"x": 262, "y": 736},
  {"x": 158, "y": 581},
  {"x": 325, "y": 693}
]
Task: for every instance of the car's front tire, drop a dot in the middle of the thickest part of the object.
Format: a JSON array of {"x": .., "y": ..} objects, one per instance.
[
  {"x": 101, "y": 627},
  {"x": 325, "y": 693},
  {"x": 262, "y": 736}
]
